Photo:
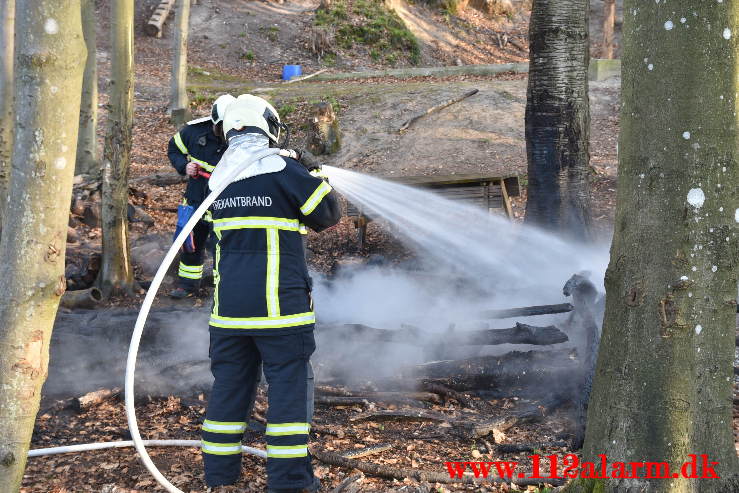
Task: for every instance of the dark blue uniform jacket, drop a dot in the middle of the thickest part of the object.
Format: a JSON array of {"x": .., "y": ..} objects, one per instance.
[
  {"x": 262, "y": 282},
  {"x": 196, "y": 142}
]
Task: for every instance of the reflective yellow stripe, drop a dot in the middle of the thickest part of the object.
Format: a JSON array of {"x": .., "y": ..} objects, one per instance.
[
  {"x": 191, "y": 268},
  {"x": 225, "y": 427},
  {"x": 190, "y": 271},
  {"x": 256, "y": 222},
  {"x": 216, "y": 274},
  {"x": 273, "y": 272},
  {"x": 208, "y": 217},
  {"x": 282, "y": 429},
  {"x": 262, "y": 322},
  {"x": 180, "y": 144},
  {"x": 315, "y": 198},
  {"x": 303, "y": 229},
  {"x": 221, "y": 448},
  {"x": 287, "y": 451},
  {"x": 207, "y": 167}
]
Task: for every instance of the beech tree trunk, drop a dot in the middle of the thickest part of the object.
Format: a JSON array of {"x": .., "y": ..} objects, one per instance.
[
  {"x": 558, "y": 118},
  {"x": 7, "y": 38},
  {"x": 87, "y": 155},
  {"x": 609, "y": 22},
  {"x": 116, "y": 272},
  {"x": 178, "y": 100},
  {"x": 663, "y": 382},
  {"x": 50, "y": 57}
]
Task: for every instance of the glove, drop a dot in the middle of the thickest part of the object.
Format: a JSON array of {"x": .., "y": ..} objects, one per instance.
[{"x": 309, "y": 161}]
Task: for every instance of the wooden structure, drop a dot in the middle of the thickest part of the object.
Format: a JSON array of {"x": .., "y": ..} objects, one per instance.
[{"x": 487, "y": 192}]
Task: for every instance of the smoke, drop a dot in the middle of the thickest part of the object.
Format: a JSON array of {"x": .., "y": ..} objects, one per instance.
[{"x": 467, "y": 261}]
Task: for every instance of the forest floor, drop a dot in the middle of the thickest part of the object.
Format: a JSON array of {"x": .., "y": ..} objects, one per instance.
[{"x": 484, "y": 134}]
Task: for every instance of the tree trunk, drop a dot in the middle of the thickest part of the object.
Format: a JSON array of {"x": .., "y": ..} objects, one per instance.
[
  {"x": 663, "y": 382},
  {"x": 178, "y": 99},
  {"x": 558, "y": 118},
  {"x": 609, "y": 21},
  {"x": 7, "y": 38},
  {"x": 87, "y": 155},
  {"x": 48, "y": 62},
  {"x": 116, "y": 273}
]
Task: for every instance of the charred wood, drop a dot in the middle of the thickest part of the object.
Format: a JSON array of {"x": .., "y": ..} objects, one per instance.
[
  {"x": 520, "y": 334},
  {"x": 406, "y": 415},
  {"x": 528, "y": 311}
]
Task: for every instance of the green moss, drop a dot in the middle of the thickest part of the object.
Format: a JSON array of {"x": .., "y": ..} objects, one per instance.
[
  {"x": 286, "y": 110},
  {"x": 373, "y": 25}
]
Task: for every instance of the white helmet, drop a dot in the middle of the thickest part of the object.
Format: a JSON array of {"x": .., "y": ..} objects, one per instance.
[
  {"x": 219, "y": 107},
  {"x": 252, "y": 111}
]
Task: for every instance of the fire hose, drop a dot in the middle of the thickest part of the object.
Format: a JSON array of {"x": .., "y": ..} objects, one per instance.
[{"x": 137, "y": 441}]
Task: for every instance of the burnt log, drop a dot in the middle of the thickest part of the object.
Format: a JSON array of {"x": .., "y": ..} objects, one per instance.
[
  {"x": 528, "y": 311},
  {"x": 520, "y": 334},
  {"x": 364, "y": 452}
]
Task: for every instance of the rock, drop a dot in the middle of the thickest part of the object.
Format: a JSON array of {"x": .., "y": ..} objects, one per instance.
[
  {"x": 137, "y": 215},
  {"x": 476, "y": 454},
  {"x": 458, "y": 62},
  {"x": 148, "y": 256},
  {"x": 72, "y": 236},
  {"x": 91, "y": 216}
]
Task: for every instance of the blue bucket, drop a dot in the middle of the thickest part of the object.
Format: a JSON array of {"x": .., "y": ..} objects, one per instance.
[{"x": 290, "y": 71}]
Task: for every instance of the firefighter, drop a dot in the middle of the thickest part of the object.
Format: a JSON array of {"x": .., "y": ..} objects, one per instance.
[
  {"x": 194, "y": 151},
  {"x": 262, "y": 308}
]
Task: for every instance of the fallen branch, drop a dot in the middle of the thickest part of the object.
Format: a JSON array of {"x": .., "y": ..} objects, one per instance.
[
  {"x": 517, "y": 448},
  {"x": 438, "y": 107},
  {"x": 92, "y": 399},
  {"x": 528, "y": 311},
  {"x": 305, "y": 77},
  {"x": 400, "y": 474},
  {"x": 408, "y": 415},
  {"x": 448, "y": 393},
  {"x": 364, "y": 452},
  {"x": 347, "y": 481},
  {"x": 83, "y": 298}
]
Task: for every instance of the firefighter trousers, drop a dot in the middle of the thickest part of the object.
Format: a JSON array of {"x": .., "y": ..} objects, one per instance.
[
  {"x": 190, "y": 272},
  {"x": 235, "y": 364}
]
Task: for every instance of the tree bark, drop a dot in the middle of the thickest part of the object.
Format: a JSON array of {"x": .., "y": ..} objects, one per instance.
[
  {"x": 116, "y": 272},
  {"x": 663, "y": 382},
  {"x": 609, "y": 21},
  {"x": 178, "y": 99},
  {"x": 558, "y": 118},
  {"x": 49, "y": 81},
  {"x": 7, "y": 41},
  {"x": 87, "y": 156}
]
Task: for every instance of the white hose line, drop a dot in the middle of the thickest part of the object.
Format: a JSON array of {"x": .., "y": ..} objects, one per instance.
[
  {"x": 85, "y": 447},
  {"x": 144, "y": 313}
]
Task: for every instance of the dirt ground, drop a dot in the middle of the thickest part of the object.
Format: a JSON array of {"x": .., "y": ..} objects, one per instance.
[{"x": 484, "y": 134}]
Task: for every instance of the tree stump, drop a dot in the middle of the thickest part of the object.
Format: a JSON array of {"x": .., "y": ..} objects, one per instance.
[{"x": 323, "y": 133}]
